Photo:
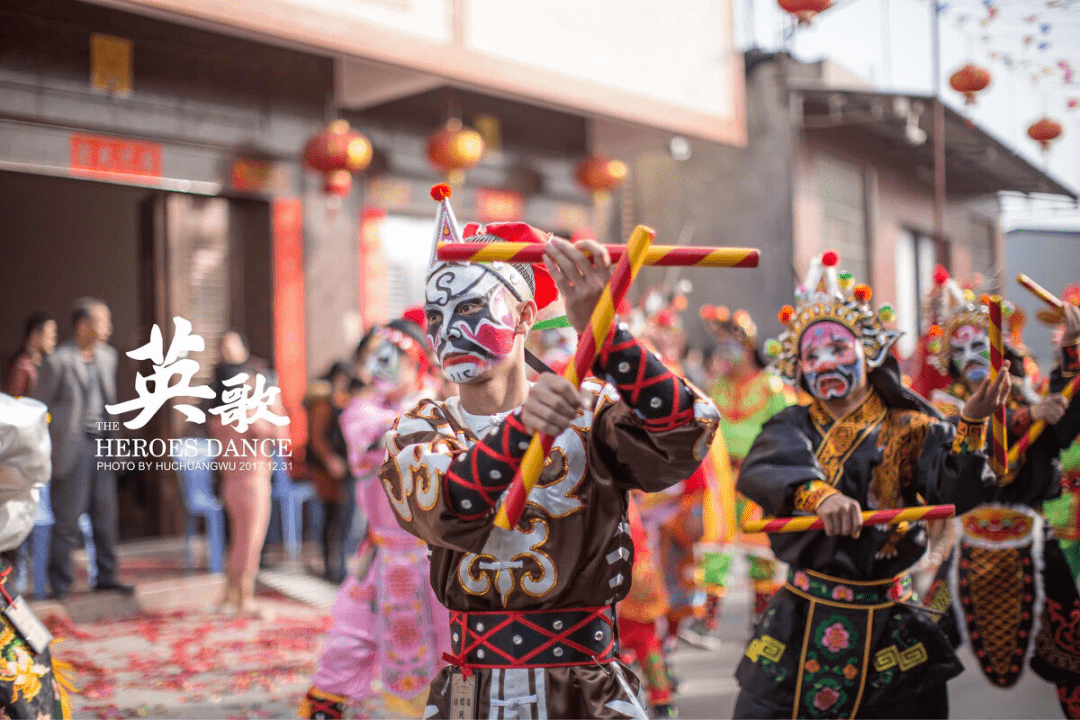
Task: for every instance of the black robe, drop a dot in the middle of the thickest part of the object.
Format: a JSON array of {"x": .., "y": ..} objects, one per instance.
[{"x": 834, "y": 642}]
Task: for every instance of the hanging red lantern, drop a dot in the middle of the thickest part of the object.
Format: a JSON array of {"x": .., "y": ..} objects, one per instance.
[
  {"x": 804, "y": 10},
  {"x": 970, "y": 80},
  {"x": 454, "y": 149},
  {"x": 1044, "y": 132},
  {"x": 598, "y": 173},
  {"x": 337, "y": 151}
]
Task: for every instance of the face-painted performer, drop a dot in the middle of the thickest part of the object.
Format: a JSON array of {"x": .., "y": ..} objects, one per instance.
[
  {"x": 746, "y": 395},
  {"x": 842, "y": 638},
  {"x": 531, "y": 623},
  {"x": 1003, "y": 620},
  {"x": 383, "y": 673}
]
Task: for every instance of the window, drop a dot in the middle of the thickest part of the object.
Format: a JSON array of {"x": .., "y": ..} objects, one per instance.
[
  {"x": 406, "y": 244},
  {"x": 842, "y": 190}
]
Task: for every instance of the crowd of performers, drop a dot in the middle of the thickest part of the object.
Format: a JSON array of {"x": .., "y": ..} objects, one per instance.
[{"x": 631, "y": 539}]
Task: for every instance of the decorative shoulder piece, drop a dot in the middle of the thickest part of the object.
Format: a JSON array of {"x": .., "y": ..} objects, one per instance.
[
  {"x": 826, "y": 294},
  {"x": 477, "y": 478}
]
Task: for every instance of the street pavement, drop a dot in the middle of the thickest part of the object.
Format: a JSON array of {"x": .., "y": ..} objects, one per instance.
[{"x": 195, "y": 663}]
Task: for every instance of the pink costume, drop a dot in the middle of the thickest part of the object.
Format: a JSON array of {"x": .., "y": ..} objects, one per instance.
[{"x": 389, "y": 631}]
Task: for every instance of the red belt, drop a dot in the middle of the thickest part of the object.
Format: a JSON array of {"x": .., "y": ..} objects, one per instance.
[{"x": 532, "y": 639}]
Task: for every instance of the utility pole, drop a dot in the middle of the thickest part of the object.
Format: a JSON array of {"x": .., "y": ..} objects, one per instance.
[{"x": 939, "y": 140}]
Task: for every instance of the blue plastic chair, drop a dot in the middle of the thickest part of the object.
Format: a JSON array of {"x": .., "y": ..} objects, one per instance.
[
  {"x": 197, "y": 488},
  {"x": 291, "y": 497},
  {"x": 39, "y": 547}
]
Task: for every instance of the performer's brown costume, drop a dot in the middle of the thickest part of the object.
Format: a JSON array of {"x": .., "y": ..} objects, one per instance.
[{"x": 532, "y": 609}]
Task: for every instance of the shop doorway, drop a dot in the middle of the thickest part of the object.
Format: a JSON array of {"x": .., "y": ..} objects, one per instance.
[{"x": 150, "y": 256}]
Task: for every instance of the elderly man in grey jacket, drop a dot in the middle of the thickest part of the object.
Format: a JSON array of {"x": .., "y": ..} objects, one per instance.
[{"x": 77, "y": 381}]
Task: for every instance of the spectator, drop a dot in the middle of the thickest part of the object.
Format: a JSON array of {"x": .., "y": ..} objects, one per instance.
[
  {"x": 39, "y": 340},
  {"x": 328, "y": 465},
  {"x": 76, "y": 382},
  {"x": 246, "y": 480}
]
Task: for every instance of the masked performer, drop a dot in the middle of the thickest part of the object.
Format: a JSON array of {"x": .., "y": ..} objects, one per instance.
[
  {"x": 389, "y": 631},
  {"x": 685, "y": 514},
  {"x": 840, "y": 638},
  {"x": 532, "y": 621},
  {"x": 1063, "y": 513},
  {"x": 1008, "y": 578},
  {"x": 746, "y": 395},
  {"x": 30, "y": 686},
  {"x": 646, "y": 604}
]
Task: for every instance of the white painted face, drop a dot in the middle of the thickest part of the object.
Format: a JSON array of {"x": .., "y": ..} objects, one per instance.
[
  {"x": 969, "y": 349},
  {"x": 384, "y": 365},
  {"x": 470, "y": 320}
]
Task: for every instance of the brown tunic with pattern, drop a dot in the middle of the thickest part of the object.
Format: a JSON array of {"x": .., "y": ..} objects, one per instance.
[{"x": 571, "y": 549}]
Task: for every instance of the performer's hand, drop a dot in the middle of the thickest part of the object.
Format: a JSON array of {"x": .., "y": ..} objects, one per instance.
[
  {"x": 581, "y": 278},
  {"x": 842, "y": 515},
  {"x": 336, "y": 467},
  {"x": 990, "y": 396},
  {"x": 553, "y": 404},
  {"x": 1072, "y": 325},
  {"x": 1050, "y": 409}
]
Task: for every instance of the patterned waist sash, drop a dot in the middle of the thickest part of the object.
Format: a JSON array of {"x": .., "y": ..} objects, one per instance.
[
  {"x": 537, "y": 638},
  {"x": 854, "y": 593}
]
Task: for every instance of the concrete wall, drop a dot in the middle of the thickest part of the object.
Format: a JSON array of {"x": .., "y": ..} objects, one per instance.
[
  {"x": 721, "y": 195},
  {"x": 1051, "y": 259}
]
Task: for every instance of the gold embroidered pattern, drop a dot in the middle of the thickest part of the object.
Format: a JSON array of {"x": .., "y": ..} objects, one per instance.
[
  {"x": 841, "y": 439},
  {"x": 907, "y": 659},
  {"x": 970, "y": 437},
  {"x": 767, "y": 647},
  {"x": 904, "y": 432},
  {"x": 810, "y": 494}
]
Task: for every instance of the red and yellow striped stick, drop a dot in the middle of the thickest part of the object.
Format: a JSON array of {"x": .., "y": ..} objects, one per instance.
[
  {"x": 1000, "y": 460},
  {"x": 589, "y": 344},
  {"x": 870, "y": 517},
  {"x": 1040, "y": 292},
  {"x": 1017, "y": 451},
  {"x": 716, "y": 257}
]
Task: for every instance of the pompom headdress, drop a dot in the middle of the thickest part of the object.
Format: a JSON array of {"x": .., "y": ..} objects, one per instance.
[
  {"x": 526, "y": 281},
  {"x": 949, "y": 305},
  {"x": 739, "y": 323},
  {"x": 827, "y": 294}
]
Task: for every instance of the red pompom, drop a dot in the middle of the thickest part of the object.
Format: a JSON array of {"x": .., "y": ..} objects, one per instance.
[
  {"x": 417, "y": 315},
  {"x": 440, "y": 192},
  {"x": 665, "y": 318},
  {"x": 786, "y": 313},
  {"x": 863, "y": 293},
  {"x": 707, "y": 312},
  {"x": 941, "y": 275},
  {"x": 830, "y": 258}
]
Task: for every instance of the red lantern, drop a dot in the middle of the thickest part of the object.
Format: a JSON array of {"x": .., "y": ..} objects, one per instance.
[
  {"x": 598, "y": 173},
  {"x": 337, "y": 152},
  {"x": 454, "y": 149},
  {"x": 804, "y": 10},
  {"x": 970, "y": 80},
  {"x": 1044, "y": 132}
]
